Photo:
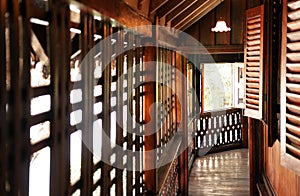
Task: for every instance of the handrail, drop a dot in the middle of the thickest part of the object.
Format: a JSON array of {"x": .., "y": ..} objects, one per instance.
[
  {"x": 167, "y": 171},
  {"x": 220, "y": 111}
]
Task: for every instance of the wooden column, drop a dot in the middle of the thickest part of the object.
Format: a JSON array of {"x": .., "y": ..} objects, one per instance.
[
  {"x": 181, "y": 88},
  {"x": 150, "y": 140},
  {"x": 129, "y": 125},
  {"x": 88, "y": 96},
  {"x": 60, "y": 93},
  {"x": 3, "y": 100},
  {"x": 244, "y": 132},
  {"x": 106, "y": 153},
  {"x": 251, "y": 156},
  {"x": 120, "y": 91},
  {"x": 202, "y": 89}
]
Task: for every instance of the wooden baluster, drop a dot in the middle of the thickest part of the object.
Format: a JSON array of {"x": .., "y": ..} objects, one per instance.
[
  {"x": 106, "y": 153},
  {"x": 130, "y": 92},
  {"x": 119, "y": 110},
  {"x": 3, "y": 101},
  {"x": 137, "y": 115}
]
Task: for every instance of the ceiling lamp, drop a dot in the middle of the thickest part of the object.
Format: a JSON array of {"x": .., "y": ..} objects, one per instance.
[{"x": 221, "y": 26}]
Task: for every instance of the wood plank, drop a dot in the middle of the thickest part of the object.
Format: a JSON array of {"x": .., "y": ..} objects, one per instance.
[
  {"x": 293, "y": 139},
  {"x": 295, "y": 151},
  {"x": 294, "y": 15},
  {"x": 253, "y": 37},
  {"x": 293, "y": 67},
  {"x": 293, "y": 36},
  {"x": 294, "y": 25},
  {"x": 294, "y": 98},
  {"x": 292, "y": 87},
  {"x": 293, "y": 129},
  {"x": 293, "y": 108},
  {"x": 294, "y": 5},
  {"x": 252, "y": 80}
]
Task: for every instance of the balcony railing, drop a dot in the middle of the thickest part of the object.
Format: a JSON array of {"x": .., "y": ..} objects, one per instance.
[{"x": 219, "y": 130}]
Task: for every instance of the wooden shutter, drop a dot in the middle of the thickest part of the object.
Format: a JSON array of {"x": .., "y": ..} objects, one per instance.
[
  {"x": 254, "y": 62},
  {"x": 290, "y": 86}
]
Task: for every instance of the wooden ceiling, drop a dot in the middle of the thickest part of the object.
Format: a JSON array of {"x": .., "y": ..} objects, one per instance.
[{"x": 179, "y": 14}]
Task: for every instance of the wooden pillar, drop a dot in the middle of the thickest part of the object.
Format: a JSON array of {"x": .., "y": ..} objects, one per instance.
[
  {"x": 87, "y": 113},
  {"x": 129, "y": 125},
  {"x": 106, "y": 152},
  {"x": 202, "y": 89},
  {"x": 120, "y": 91},
  {"x": 3, "y": 101},
  {"x": 244, "y": 131},
  {"x": 198, "y": 87},
  {"x": 150, "y": 140},
  {"x": 181, "y": 88},
  {"x": 256, "y": 153},
  {"x": 251, "y": 155}
]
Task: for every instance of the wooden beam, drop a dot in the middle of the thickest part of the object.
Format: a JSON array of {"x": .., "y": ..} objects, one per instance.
[
  {"x": 169, "y": 7},
  {"x": 194, "y": 13},
  {"x": 216, "y": 49},
  {"x": 180, "y": 9},
  {"x": 119, "y": 11},
  {"x": 154, "y": 5}
]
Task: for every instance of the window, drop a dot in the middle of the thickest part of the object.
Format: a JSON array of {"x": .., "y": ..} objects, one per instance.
[{"x": 253, "y": 99}]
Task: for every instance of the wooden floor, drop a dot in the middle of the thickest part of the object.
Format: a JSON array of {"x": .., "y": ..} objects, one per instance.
[{"x": 224, "y": 173}]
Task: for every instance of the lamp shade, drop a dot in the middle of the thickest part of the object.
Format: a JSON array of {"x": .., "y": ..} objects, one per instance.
[{"x": 221, "y": 26}]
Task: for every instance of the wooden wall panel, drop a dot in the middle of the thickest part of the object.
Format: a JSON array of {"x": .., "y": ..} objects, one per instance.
[
  {"x": 232, "y": 11},
  {"x": 223, "y": 11},
  {"x": 283, "y": 181},
  {"x": 237, "y": 26},
  {"x": 253, "y": 3},
  {"x": 206, "y": 36},
  {"x": 194, "y": 32}
]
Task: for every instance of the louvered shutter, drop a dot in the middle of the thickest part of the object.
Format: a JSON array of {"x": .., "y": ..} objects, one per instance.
[
  {"x": 290, "y": 86},
  {"x": 254, "y": 63}
]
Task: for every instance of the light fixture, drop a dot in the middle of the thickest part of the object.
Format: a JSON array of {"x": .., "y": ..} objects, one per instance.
[{"x": 221, "y": 26}]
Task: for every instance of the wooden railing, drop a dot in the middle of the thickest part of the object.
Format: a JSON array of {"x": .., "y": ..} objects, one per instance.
[{"x": 219, "y": 130}]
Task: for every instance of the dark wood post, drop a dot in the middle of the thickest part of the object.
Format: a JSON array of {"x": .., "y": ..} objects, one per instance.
[
  {"x": 181, "y": 88},
  {"x": 150, "y": 140},
  {"x": 244, "y": 132}
]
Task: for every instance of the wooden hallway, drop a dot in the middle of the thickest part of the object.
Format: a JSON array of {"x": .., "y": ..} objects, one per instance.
[
  {"x": 224, "y": 173},
  {"x": 123, "y": 97}
]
